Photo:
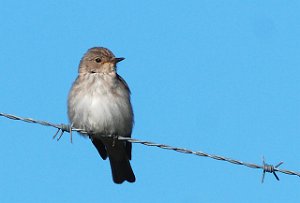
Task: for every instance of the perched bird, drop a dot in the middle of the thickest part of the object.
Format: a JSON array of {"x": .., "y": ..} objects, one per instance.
[{"x": 99, "y": 103}]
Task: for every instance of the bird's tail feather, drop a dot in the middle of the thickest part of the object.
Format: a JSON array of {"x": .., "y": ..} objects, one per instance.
[{"x": 119, "y": 160}]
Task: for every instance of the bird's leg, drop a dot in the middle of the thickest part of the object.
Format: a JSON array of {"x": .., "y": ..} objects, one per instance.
[{"x": 114, "y": 137}]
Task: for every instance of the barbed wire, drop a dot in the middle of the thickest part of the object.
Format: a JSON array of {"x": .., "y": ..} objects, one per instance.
[{"x": 68, "y": 128}]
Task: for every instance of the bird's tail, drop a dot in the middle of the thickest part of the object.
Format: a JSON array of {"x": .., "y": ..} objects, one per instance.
[{"x": 118, "y": 157}]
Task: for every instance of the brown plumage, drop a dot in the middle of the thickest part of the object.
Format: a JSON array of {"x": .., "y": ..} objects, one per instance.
[{"x": 99, "y": 102}]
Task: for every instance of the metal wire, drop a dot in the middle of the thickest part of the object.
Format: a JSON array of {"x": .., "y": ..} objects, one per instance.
[{"x": 68, "y": 128}]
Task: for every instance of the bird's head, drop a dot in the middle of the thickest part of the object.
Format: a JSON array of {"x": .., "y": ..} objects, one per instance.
[{"x": 99, "y": 60}]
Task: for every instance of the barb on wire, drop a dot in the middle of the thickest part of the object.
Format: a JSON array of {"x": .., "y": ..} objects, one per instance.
[
  {"x": 270, "y": 169},
  {"x": 68, "y": 128}
]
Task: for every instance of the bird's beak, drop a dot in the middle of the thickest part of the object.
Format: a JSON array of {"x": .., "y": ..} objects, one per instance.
[{"x": 117, "y": 60}]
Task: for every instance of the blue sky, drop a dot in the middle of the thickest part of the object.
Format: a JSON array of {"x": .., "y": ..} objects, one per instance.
[{"x": 217, "y": 76}]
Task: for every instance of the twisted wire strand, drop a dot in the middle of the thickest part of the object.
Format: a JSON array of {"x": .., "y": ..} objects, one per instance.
[{"x": 67, "y": 128}]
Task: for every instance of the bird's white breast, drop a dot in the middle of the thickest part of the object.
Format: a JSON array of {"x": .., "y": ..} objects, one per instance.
[{"x": 101, "y": 104}]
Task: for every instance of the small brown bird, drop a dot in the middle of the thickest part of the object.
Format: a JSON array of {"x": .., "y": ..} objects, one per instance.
[{"x": 99, "y": 102}]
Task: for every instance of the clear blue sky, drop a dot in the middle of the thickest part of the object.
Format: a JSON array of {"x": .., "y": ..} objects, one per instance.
[{"x": 218, "y": 76}]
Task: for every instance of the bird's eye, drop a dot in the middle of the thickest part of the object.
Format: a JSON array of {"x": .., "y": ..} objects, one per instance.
[{"x": 98, "y": 60}]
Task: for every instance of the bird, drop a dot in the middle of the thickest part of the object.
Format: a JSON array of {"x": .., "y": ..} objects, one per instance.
[{"x": 99, "y": 102}]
